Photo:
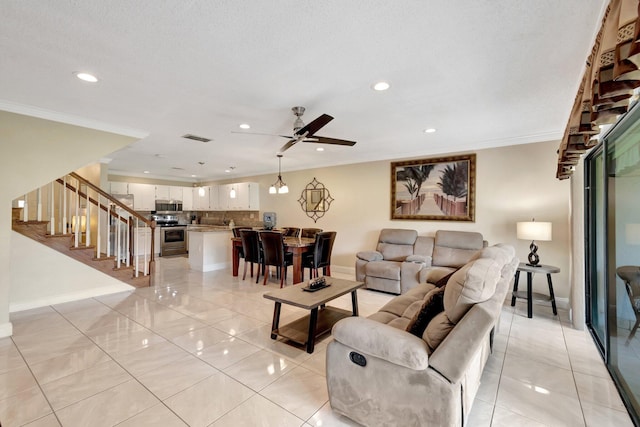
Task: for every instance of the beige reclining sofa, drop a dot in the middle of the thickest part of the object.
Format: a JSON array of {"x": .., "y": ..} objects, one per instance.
[
  {"x": 379, "y": 374},
  {"x": 403, "y": 259}
]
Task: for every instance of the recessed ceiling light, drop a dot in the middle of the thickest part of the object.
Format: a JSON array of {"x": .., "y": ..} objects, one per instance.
[
  {"x": 227, "y": 171},
  {"x": 380, "y": 86},
  {"x": 146, "y": 171},
  {"x": 87, "y": 77},
  {"x": 319, "y": 149},
  {"x": 430, "y": 130},
  {"x": 245, "y": 126},
  {"x": 193, "y": 176}
]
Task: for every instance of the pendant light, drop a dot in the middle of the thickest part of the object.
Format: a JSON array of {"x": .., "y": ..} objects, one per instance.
[
  {"x": 279, "y": 186},
  {"x": 201, "y": 189},
  {"x": 232, "y": 192}
]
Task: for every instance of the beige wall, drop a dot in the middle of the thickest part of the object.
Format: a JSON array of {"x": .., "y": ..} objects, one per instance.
[
  {"x": 34, "y": 152},
  {"x": 514, "y": 183}
]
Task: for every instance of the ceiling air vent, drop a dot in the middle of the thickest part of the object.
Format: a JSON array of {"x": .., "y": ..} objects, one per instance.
[{"x": 196, "y": 138}]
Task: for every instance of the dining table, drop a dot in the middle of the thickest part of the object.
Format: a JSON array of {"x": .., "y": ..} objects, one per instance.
[{"x": 295, "y": 245}]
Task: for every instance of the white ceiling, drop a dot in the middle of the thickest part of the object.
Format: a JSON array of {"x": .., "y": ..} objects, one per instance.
[{"x": 484, "y": 73}]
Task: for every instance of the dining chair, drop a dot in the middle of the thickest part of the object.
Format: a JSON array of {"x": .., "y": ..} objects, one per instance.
[
  {"x": 310, "y": 232},
  {"x": 630, "y": 274},
  {"x": 320, "y": 257},
  {"x": 236, "y": 233},
  {"x": 291, "y": 232},
  {"x": 274, "y": 254},
  {"x": 252, "y": 251}
]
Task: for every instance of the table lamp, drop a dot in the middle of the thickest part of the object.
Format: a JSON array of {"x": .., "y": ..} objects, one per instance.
[{"x": 533, "y": 231}]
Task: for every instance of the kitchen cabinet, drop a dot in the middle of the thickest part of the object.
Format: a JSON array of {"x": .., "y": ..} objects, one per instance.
[
  {"x": 169, "y": 192},
  {"x": 201, "y": 198},
  {"x": 214, "y": 198},
  {"x": 118, "y": 188},
  {"x": 247, "y": 196},
  {"x": 187, "y": 199},
  {"x": 143, "y": 196}
]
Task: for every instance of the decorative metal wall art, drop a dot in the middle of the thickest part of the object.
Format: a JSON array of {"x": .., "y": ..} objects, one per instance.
[{"x": 315, "y": 200}]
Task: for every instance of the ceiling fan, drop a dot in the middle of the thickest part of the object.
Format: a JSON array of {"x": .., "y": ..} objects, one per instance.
[{"x": 307, "y": 133}]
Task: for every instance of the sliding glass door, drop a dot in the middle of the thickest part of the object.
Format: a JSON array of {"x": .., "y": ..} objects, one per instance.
[{"x": 613, "y": 245}]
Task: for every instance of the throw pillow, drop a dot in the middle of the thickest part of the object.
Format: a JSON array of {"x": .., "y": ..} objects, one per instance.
[
  {"x": 436, "y": 331},
  {"x": 432, "y": 305},
  {"x": 443, "y": 281}
]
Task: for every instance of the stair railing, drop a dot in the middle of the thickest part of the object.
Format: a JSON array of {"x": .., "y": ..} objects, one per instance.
[{"x": 93, "y": 218}]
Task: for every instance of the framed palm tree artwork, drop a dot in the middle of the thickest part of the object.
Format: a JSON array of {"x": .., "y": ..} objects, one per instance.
[{"x": 437, "y": 189}]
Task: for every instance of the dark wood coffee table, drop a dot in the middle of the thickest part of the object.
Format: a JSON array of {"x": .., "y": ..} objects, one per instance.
[{"x": 321, "y": 318}]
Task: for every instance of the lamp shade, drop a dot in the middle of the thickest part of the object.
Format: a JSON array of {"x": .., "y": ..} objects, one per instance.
[
  {"x": 534, "y": 230},
  {"x": 632, "y": 234}
]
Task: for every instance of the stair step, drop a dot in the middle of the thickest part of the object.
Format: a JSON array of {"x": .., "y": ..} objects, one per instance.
[
  {"x": 73, "y": 248},
  {"x": 68, "y": 236},
  {"x": 104, "y": 257}
]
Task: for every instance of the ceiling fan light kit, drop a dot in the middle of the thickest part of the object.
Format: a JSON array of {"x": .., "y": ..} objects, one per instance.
[{"x": 279, "y": 186}]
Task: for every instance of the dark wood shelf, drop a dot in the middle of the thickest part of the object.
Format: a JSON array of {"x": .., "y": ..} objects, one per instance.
[{"x": 298, "y": 330}]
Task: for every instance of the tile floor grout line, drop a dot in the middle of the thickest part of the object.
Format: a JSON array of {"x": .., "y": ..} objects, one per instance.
[
  {"x": 495, "y": 401},
  {"x": 573, "y": 374},
  {"x": 37, "y": 383}
]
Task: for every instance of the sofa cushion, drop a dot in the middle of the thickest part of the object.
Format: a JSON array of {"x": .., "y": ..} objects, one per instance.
[
  {"x": 369, "y": 255},
  {"x": 384, "y": 269},
  {"x": 396, "y": 244},
  {"x": 382, "y": 317},
  {"x": 430, "y": 307},
  {"x": 473, "y": 283},
  {"x": 399, "y": 304},
  {"x": 433, "y": 274},
  {"x": 442, "y": 282},
  {"x": 499, "y": 252},
  {"x": 455, "y": 248},
  {"x": 436, "y": 331}
]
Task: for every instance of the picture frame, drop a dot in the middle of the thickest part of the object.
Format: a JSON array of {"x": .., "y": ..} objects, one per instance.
[{"x": 434, "y": 189}]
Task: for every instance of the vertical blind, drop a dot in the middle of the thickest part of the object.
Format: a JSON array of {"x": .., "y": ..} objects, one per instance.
[{"x": 609, "y": 84}]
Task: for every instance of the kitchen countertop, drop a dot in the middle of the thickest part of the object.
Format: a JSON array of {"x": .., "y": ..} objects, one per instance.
[{"x": 198, "y": 228}]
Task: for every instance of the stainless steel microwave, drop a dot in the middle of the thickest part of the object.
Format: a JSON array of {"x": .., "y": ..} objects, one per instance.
[{"x": 168, "y": 206}]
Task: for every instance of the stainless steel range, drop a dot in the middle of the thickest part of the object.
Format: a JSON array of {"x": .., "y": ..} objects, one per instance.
[{"x": 173, "y": 236}]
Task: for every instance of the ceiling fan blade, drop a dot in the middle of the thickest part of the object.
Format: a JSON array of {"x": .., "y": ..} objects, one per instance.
[
  {"x": 265, "y": 134},
  {"x": 324, "y": 140},
  {"x": 288, "y": 145},
  {"x": 315, "y": 125}
]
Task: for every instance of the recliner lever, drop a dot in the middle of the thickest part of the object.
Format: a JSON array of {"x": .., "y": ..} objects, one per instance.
[{"x": 358, "y": 359}]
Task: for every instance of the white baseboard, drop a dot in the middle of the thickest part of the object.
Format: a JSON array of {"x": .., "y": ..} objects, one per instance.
[
  {"x": 343, "y": 270},
  {"x": 210, "y": 267},
  {"x": 6, "y": 330},
  {"x": 71, "y": 296},
  {"x": 563, "y": 303}
]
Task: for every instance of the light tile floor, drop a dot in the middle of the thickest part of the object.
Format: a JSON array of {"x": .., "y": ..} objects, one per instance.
[{"x": 195, "y": 350}]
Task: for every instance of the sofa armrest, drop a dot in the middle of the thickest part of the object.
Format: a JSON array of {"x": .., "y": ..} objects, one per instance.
[
  {"x": 369, "y": 255},
  {"x": 382, "y": 341},
  {"x": 421, "y": 259},
  {"x": 453, "y": 356}
]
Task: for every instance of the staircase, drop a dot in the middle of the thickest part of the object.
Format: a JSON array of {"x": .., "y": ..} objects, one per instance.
[{"x": 73, "y": 216}]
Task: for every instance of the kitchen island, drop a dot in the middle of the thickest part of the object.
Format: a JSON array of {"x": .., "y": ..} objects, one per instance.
[{"x": 209, "y": 247}]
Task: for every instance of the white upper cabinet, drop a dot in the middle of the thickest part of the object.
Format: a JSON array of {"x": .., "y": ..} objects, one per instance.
[
  {"x": 143, "y": 196},
  {"x": 214, "y": 198},
  {"x": 247, "y": 196},
  {"x": 187, "y": 199},
  {"x": 201, "y": 198},
  {"x": 169, "y": 192},
  {"x": 162, "y": 192},
  {"x": 176, "y": 193},
  {"x": 118, "y": 188}
]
